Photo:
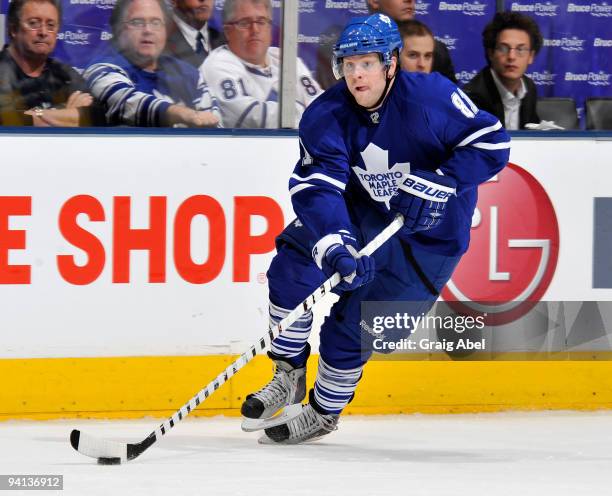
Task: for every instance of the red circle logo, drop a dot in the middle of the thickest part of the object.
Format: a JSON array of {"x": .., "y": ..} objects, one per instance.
[{"x": 513, "y": 250}]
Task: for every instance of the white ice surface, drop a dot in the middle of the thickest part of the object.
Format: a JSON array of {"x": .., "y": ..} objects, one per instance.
[{"x": 518, "y": 454}]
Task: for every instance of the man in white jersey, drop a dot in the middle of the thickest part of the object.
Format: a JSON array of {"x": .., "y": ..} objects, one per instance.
[{"x": 244, "y": 74}]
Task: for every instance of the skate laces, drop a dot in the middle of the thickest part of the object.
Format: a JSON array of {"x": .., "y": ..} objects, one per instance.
[
  {"x": 277, "y": 390},
  {"x": 310, "y": 423}
]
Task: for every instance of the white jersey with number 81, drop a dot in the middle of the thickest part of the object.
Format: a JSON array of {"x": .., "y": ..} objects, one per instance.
[{"x": 248, "y": 94}]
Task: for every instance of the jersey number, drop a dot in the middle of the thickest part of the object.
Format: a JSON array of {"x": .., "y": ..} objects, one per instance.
[
  {"x": 229, "y": 89},
  {"x": 308, "y": 86}
]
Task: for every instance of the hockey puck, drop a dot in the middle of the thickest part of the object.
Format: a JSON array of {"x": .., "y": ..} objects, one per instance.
[{"x": 109, "y": 461}]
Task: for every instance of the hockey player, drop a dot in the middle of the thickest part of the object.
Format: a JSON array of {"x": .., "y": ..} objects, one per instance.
[
  {"x": 356, "y": 139},
  {"x": 244, "y": 74}
]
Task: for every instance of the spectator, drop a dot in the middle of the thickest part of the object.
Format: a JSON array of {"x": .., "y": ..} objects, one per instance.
[
  {"x": 139, "y": 85},
  {"x": 418, "y": 51},
  {"x": 511, "y": 41},
  {"x": 403, "y": 10},
  {"x": 191, "y": 37},
  {"x": 244, "y": 73},
  {"x": 35, "y": 89}
]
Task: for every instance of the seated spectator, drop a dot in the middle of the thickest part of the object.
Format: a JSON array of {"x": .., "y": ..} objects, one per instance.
[
  {"x": 35, "y": 89},
  {"x": 511, "y": 41},
  {"x": 244, "y": 74},
  {"x": 138, "y": 85},
  {"x": 417, "y": 54},
  {"x": 403, "y": 10},
  {"x": 191, "y": 38}
]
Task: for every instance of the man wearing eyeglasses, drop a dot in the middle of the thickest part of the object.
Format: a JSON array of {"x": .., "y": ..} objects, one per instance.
[
  {"x": 244, "y": 74},
  {"x": 35, "y": 89},
  {"x": 511, "y": 42},
  {"x": 141, "y": 86}
]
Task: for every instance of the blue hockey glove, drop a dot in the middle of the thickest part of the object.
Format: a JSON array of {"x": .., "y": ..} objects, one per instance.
[
  {"x": 421, "y": 198},
  {"x": 338, "y": 253}
]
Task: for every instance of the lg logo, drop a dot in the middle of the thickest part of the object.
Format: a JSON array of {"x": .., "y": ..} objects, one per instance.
[{"x": 513, "y": 249}]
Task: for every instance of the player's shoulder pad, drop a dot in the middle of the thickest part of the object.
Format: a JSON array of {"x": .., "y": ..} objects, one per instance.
[
  {"x": 331, "y": 105},
  {"x": 323, "y": 122},
  {"x": 435, "y": 93}
]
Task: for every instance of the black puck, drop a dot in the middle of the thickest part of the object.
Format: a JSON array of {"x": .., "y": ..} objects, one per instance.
[{"x": 109, "y": 461}]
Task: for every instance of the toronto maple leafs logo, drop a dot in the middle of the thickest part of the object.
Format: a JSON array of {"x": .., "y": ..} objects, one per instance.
[{"x": 378, "y": 179}]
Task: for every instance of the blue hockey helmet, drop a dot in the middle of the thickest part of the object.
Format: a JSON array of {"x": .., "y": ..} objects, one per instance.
[{"x": 376, "y": 33}]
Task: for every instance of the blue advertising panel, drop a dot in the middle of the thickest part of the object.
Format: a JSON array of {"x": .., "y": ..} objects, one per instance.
[{"x": 576, "y": 57}]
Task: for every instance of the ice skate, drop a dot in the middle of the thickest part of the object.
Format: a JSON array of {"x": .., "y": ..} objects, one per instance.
[
  {"x": 309, "y": 425},
  {"x": 288, "y": 386}
]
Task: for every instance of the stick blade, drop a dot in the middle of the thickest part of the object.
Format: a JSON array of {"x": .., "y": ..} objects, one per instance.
[{"x": 97, "y": 448}]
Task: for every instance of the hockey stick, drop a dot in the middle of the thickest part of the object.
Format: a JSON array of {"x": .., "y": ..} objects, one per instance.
[{"x": 113, "y": 453}]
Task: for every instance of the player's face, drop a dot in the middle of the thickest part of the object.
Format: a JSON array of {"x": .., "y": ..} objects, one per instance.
[
  {"x": 398, "y": 10},
  {"x": 512, "y": 55},
  {"x": 143, "y": 33},
  {"x": 195, "y": 12},
  {"x": 417, "y": 54},
  {"x": 249, "y": 32},
  {"x": 36, "y": 34},
  {"x": 365, "y": 77}
]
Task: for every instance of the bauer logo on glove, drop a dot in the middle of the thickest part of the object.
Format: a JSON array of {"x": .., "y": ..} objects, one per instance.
[
  {"x": 421, "y": 198},
  {"x": 426, "y": 189}
]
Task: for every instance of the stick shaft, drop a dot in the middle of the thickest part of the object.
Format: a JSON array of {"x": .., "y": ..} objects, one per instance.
[{"x": 264, "y": 342}]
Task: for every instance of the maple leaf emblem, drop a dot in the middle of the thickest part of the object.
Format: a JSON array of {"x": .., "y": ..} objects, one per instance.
[{"x": 378, "y": 179}]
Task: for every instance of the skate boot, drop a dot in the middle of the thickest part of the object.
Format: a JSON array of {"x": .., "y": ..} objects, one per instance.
[
  {"x": 311, "y": 424},
  {"x": 288, "y": 386}
]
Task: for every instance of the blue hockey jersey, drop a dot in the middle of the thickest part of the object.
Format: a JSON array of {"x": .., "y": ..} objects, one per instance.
[
  {"x": 351, "y": 160},
  {"x": 135, "y": 97}
]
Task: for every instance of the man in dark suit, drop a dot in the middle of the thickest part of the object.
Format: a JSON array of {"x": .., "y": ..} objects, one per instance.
[
  {"x": 511, "y": 42},
  {"x": 191, "y": 38},
  {"x": 403, "y": 10}
]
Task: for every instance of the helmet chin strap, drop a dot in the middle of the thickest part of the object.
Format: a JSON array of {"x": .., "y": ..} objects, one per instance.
[{"x": 388, "y": 81}]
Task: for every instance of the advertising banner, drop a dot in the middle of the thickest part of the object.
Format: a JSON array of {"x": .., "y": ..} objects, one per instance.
[{"x": 159, "y": 245}]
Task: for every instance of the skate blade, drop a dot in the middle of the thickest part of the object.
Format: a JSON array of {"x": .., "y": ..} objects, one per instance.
[
  {"x": 264, "y": 439},
  {"x": 287, "y": 414}
]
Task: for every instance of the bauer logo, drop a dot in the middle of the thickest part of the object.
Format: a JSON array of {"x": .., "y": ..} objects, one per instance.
[
  {"x": 593, "y": 78},
  {"x": 422, "y": 8},
  {"x": 377, "y": 178},
  {"x": 466, "y": 8},
  {"x": 99, "y": 4},
  {"x": 544, "y": 78},
  {"x": 573, "y": 44},
  {"x": 599, "y": 9},
  {"x": 77, "y": 37},
  {"x": 451, "y": 43},
  {"x": 547, "y": 9},
  {"x": 513, "y": 249}
]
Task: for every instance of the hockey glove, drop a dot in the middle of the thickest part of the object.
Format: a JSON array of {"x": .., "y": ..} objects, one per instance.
[
  {"x": 421, "y": 198},
  {"x": 340, "y": 255}
]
